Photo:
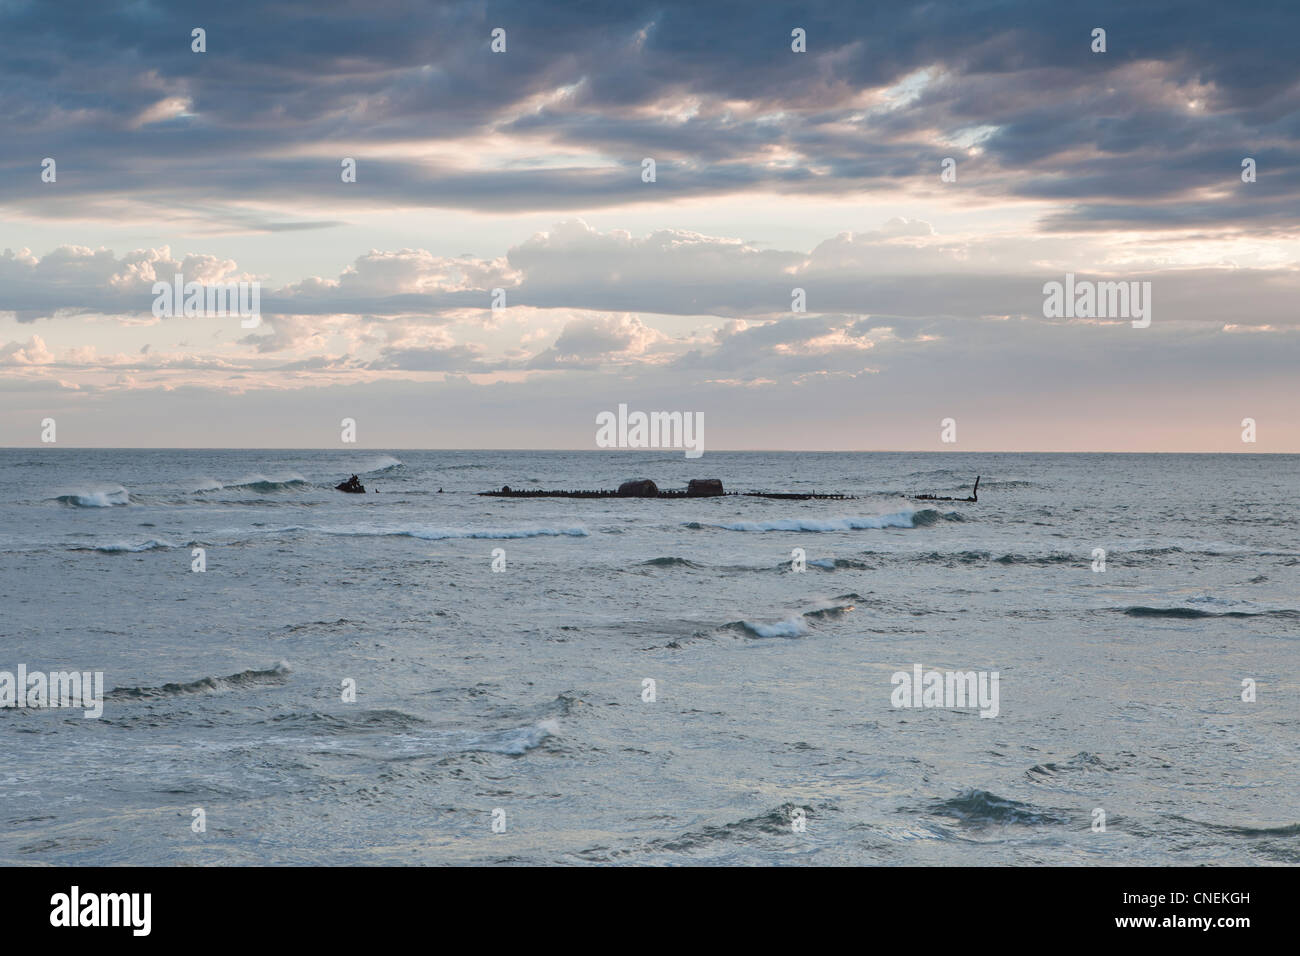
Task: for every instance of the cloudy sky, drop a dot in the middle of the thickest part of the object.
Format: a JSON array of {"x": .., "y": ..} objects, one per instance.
[{"x": 774, "y": 170}]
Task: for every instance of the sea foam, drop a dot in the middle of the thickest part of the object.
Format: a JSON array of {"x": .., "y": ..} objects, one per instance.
[{"x": 899, "y": 519}]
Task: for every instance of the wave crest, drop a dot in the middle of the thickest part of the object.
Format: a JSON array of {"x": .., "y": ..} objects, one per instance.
[
  {"x": 264, "y": 485},
  {"x": 791, "y": 627},
  {"x": 440, "y": 534},
  {"x": 250, "y": 678},
  {"x": 899, "y": 519},
  {"x": 105, "y": 498},
  {"x": 381, "y": 464},
  {"x": 980, "y": 808},
  {"x": 121, "y": 547}
]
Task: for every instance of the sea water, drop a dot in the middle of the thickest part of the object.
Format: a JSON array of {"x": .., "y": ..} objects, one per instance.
[{"x": 422, "y": 675}]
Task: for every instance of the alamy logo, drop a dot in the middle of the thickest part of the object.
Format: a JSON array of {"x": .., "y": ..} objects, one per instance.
[
  {"x": 1086, "y": 299},
  {"x": 950, "y": 689},
  {"x": 103, "y": 909},
  {"x": 209, "y": 300},
  {"x": 84, "y": 689},
  {"x": 651, "y": 430}
]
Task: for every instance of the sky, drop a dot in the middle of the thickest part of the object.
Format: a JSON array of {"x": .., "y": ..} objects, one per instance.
[{"x": 524, "y": 170}]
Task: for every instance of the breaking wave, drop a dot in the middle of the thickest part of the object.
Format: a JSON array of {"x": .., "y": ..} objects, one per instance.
[
  {"x": 513, "y": 742},
  {"x": 106, "y": 498},
  {"x": 379, "y": 465},
  {"x": 900, "y": 519},
  {"x": 250, "y": 678},
  {"x": 153, "y": 544},
  {"x": 440, "y": 534},
  {"x": 797, "y": 625},
  {"x": 791, "y": 627}
]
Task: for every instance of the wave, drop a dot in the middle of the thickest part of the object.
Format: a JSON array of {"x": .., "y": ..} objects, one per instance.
[
  {"x": 250, "y": 678},
  {"x": 106, "y": 498},
  {"x": 1192, "y": 613},
  {"x": 440, "y": 534},
  {"x": 411, "y": 736},
  {"x": 1056, "y": 557},
  {"x": 379, "y": 465},
  {"x": 791, "y": 627},
  {"x": 952, "y": 558},
  {"x": 669, "y": 562},
  {"x": 930, "y": 516},
  {"x": 1285, "y": 830},
  {"x": 981, "y": 808},
  {"x": 829, "y": 613},
  {"x": 513, "y": 742},
  {"x": 837, "y": 564},
  {"x": 264, "y": 485},
  {"x": 900, "y": 519},
  {"x": 315, "y": 722},
  {"x": 758, "y": 829},
  {"x": 1082, "y": 761},
  {"x": 153, "y": 544},
  {"x": 796, "y": 625}
]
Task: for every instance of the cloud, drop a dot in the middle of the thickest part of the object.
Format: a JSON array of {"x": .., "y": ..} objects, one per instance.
[
  {"x": 598, "y": 340},
  {"x": 33, "y": 352},
  {"x": 249, "y": 135},
  {"x": 1122, "y": 166},
  {"x": 581, "y": 298},
  {"x": 79, "y": 279}
]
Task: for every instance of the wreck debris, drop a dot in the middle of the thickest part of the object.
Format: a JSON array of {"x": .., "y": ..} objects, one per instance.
[
  {"x": 645, "y": 488},
  {"x": 975, "y": 495}
]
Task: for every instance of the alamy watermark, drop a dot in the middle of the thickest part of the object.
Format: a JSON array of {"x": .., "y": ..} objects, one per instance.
[
  {"x": 949, "y": 689},
  {"x": 75, "y": 908},
  {"x": 209, "y": 300},
  {"x": 651, "y": 430},
  {"x": 1085, "y": 299},
  {"x": 77, "y": 689}
]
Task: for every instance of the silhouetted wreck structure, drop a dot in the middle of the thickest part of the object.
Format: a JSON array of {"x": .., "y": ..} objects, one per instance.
[
  {"x": 975, "y": 495},
  {"x": 645, "y": 488}
]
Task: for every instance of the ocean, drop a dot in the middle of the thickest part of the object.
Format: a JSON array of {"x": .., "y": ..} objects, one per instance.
[{"x": 415, "y": 677}]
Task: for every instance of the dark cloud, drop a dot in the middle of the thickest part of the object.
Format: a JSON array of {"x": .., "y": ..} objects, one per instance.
[{"x": 117, "y": 97}]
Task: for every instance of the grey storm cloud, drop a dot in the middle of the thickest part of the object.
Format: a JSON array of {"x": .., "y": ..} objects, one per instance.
[{"x": 1184, "y": 91}]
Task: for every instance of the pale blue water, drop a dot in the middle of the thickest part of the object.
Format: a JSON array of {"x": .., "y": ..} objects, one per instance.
[{"x": 521, "y": 690}]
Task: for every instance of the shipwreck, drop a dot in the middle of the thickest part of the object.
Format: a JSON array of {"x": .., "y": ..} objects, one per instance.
[
  {"x": 645, "y": 488},
  {"x": 974, "y": 495}
]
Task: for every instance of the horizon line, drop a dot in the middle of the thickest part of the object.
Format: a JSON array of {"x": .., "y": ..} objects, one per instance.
[{"x": 666, "y": 451}]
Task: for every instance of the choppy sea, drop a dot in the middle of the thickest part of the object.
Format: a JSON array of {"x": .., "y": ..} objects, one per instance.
[{"x": 507, "y": 715}]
